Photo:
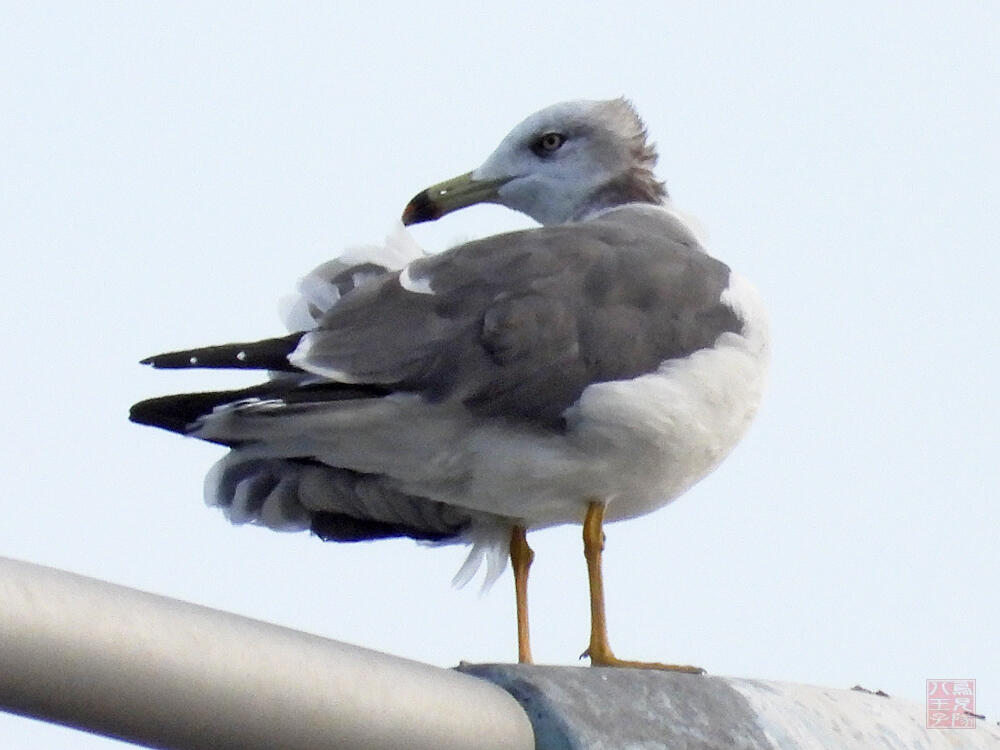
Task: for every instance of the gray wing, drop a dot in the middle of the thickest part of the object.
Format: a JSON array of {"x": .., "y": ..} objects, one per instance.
[{"x": 519, "y": 324}]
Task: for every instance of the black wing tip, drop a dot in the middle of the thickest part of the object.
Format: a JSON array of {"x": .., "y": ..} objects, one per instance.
[
  {"x": 181, "y": 413},
  {"x": 170, "y": 361},
  {"x": 162, "y": 412},
  {"x": 269, "y": 354}
]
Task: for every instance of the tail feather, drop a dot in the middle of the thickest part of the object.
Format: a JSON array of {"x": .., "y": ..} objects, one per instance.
[
  {"x": 340, "y": 527},
  {"x": 335, "y": 504}
]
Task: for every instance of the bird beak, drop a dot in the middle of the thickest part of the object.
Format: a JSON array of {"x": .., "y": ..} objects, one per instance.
[{"x": 451, "y": 195}]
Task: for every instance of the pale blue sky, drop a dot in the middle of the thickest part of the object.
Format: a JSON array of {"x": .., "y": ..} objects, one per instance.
[{"x": 168, "y": 171}]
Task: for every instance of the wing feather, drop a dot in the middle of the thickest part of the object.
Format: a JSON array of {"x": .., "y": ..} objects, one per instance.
[{"x": 519, "y": 324}]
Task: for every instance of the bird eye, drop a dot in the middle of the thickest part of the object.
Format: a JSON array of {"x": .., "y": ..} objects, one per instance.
[{"x": 548, "y": 143}]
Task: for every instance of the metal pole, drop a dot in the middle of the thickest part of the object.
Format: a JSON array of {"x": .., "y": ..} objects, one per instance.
[{"x": 169, "y": 674}]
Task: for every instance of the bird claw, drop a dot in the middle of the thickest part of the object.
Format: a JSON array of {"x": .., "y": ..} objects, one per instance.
[{"x": 609, "y": 660}]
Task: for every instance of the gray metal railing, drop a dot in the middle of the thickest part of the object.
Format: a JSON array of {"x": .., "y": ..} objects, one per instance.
[{"x": 169, "y": 674}]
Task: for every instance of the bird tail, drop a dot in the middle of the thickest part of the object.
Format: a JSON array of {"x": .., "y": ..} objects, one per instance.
[{"x": 338, "y": 505}]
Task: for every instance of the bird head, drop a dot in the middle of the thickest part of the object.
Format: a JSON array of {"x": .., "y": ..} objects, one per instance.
[{"x": 561, "y": 164}]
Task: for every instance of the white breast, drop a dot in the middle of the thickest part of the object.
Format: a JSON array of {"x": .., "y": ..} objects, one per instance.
[{"x": 667, "y": 430}]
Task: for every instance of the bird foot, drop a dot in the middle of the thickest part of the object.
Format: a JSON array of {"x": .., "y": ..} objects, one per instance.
[{"x": 610, "y": 660}]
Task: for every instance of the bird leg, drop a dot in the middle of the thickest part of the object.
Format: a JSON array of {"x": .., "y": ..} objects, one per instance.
[
  {"x": 521, "y": 557},
  {"x": 599, "y": 650}
]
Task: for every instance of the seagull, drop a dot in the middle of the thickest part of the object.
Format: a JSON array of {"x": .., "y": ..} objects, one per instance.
[{"x": 588, "y": 370}]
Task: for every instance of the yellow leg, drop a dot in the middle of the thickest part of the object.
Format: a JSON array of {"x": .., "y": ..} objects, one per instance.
[
  {"x": 599, "y": 650},
  {"x": 521, "y": 557}
]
